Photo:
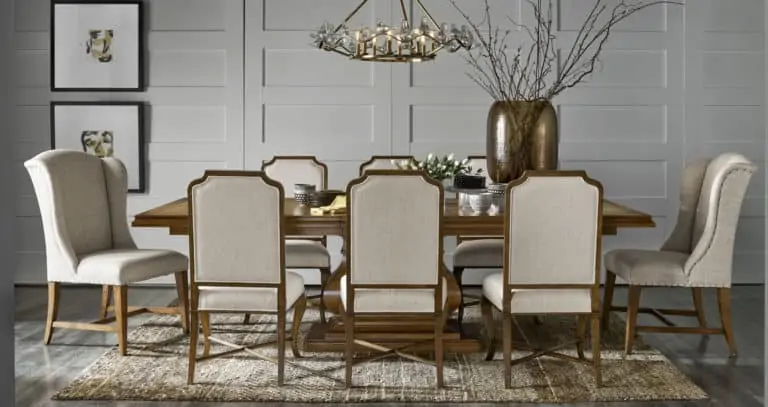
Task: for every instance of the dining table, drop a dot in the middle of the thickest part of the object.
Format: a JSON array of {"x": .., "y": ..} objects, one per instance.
[{"x": 385, "y": 331}]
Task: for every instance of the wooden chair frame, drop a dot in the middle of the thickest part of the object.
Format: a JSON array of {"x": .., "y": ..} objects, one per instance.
[
  {"x": 349, "y": 315},
  {"x": 299, "y": 306},
  {"x": 374, "y": 158},
  {"x": 583, "y": 318}
]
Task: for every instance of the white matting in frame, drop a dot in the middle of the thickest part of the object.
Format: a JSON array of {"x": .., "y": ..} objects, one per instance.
[
  {"x": 96, "y": 45},
  {"x": 107, "y": 129}
]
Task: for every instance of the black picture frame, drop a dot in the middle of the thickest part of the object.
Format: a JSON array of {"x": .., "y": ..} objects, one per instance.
[
  {"x": 139, "y": 179},
  {"x": 140, "y": 57}
]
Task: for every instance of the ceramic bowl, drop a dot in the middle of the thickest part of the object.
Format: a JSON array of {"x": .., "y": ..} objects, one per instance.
[
  {"x": 481, "y": 202},
  {"x": 302, "y": 193},
  {"x": 325, "y": 198}
]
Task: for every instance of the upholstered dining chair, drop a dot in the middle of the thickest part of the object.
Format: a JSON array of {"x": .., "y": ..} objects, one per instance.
[
  {"x": 382, "y": 162},
  {"x": 533, "y": 280},
  {"x": 303, "y": 252},
  {"x": 237, "y": 258},
  {"x": 394, "y": 257},
  {"x": 83, "y": 200},
  {"x": 697, "y": 255}
]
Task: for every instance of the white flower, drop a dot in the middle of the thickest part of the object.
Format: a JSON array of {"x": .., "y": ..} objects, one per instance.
[
  {"x": 429, "y": 157},
  {"x": 450, "y": 157}
]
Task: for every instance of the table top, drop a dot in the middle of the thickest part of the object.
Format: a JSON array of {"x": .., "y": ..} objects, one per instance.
[{"x": 174, "y": 215}]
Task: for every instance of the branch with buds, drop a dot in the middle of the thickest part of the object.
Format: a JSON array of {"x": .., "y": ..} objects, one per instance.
[{"x": 438, "y": 168}]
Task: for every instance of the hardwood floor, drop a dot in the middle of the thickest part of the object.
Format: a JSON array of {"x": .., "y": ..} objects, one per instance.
[{"x": 41, "y": 370}]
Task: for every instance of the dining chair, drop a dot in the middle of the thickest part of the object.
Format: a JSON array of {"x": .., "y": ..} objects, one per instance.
[
  {"x": 83, "y": 200},
  {"x": 697, "y": 255},
  {"x": 303, "y": 252},
  {"x": 394, "y": 257},
  {"x": 382, "y": 162},
  {"x": 536, "y": 282},
  {"x": 237, "y": 259}
]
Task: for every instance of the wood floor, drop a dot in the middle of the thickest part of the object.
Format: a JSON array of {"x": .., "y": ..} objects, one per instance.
[{"x": 41, "y": 370}]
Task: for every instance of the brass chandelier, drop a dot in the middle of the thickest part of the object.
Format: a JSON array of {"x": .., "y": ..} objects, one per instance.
[{"x": 393, "y": 44}]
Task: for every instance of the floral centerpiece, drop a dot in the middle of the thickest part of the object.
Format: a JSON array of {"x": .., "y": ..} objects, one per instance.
[{"x": 439, "y": 168}]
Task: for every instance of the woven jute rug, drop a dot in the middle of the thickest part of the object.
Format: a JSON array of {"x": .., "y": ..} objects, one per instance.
[{"x": 156, "y": 370}]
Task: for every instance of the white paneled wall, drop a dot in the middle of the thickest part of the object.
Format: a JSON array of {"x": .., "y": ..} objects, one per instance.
[{"x": 234, "y": 82}]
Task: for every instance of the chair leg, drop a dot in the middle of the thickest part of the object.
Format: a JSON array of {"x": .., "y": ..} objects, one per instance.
[
  {"x": 633, "y": 304},
  {"x": 439, "y": 348},
  {"x": 298, "y": 313},
  {"x": 281, "y": 346},
  {"x": 121, "y": 316},
  {"x": 610, "y": 282},
  {"x": 490, "y": 328},
  {"x": 106, "y": 298},
  {"x": 596, "y": 349},
  {"x": 348, "y": 349},
  {"x": 581, "y": 332},
  {"x": 458, "y": 273},
  {"x": 724, "y": 304},
  {"x": 205, "y": 321},
  {"x": 325, "y": 275},
  {"x": 54, "y": 293},
  {"x": 246, "y": 319},
  {"x": 698, "y": 303},
  {"x": 182, "y": 290},
  {"x": 193, "y": 331},
  {"x": 507, "y": 340}
]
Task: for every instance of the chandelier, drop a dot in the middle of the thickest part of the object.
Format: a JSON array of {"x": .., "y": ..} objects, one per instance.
[{"x": 393, "y": 44}]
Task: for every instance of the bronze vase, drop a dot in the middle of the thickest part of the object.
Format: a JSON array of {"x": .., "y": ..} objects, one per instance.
[{"x": 522, "y": 135}]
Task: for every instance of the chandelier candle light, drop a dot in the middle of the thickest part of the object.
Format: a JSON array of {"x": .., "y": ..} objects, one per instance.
[{"x": 393, "y": 44}]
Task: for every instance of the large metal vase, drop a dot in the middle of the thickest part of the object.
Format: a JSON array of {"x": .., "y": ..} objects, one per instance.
[{"x": 539, "y": 148}]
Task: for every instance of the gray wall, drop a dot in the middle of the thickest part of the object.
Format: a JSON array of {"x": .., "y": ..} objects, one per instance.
[{"x": 233, "y": 82}]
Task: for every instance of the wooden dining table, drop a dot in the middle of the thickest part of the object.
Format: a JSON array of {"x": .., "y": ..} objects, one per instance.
[{"x": 329, "y": 336}]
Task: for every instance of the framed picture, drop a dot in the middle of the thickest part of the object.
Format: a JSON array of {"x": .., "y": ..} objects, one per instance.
[
  {"x": 97, "y": 45},
  {"x": 104, "y": 129}
]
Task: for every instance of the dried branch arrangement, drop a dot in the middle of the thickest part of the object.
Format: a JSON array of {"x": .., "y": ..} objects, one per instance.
[{"x": 530, "y": 72}]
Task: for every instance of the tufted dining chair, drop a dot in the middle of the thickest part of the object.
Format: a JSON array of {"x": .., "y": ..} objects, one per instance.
[
  {"x": 548, "y": 212},
  {"x": 237, "y": 258},
  {"x": 83, "y": 200},
  {"x": 303, "y": 252},
  {"x": 698, "y": 254},
  {"x": 382, "y": 162},
  {"x": 394, "y": 257}
]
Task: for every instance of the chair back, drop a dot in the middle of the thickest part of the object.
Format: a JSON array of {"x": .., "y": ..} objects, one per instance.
[
  {"x": 236, "y": 228},
  {"x": 553, "y": 228},
  {"x": 290, "y": 170},
  {"x": 723, "y": 188},
  {"x": 690, "y": 190},
  {"x": 82, "y": 200},
  {"x": 382, "y": 162},
  {"x": 394, "y": 236}
]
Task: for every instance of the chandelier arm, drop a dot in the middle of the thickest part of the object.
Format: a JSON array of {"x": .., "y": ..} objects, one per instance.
[
  {"x": 352, "y": 14},
  {"x": 405, "y": 13},
  {"x": 424, "y": 9}
]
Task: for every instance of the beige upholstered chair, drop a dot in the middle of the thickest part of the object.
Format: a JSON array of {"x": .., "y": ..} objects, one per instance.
[
  {"x": 83, "y": 201},
  {"x": 394, "y": 256},
  {"x": 382, "y": 162},
  {"x": 304, "y": 252},
  {"x": 698, "y": 254},
  {"x": 237, "y": 251},
  {"x": 548, "y": 212}
]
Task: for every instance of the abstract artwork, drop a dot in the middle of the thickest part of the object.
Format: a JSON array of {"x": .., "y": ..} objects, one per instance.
[
  {"x": 103, "y": 129},
  {"x": 97, "y": 45}
]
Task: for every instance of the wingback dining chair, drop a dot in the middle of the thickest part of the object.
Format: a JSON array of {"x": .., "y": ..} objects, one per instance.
[
  {"x": 83, "y": 200},
  {"x": 394, "y": 256},
  {"x": 303, "y": 252},
  {"x": 548, "y": 212},
  {"x": 382, "y": 162},
  {"x": 237, "y": 253},
  {"x": 698, "y": 254}
]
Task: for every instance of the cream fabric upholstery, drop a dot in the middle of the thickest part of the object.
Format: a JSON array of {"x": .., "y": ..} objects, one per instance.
[
  {"x": 414, "y": 300},
  {"x": 394, "y": 239},
  {"x": 250, "y": 299},
  {"x": 83, "y": 201},
  {"x": 711, "y": 196},
  {"x": 291, "y": 171},
  {"x": 479, "y": 253},
  {"x": 306, "y": 254},
  {"x": 552, "y": 239}
]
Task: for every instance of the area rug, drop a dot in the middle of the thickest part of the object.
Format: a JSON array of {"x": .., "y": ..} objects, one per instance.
[{"x": 156, "y": 370}]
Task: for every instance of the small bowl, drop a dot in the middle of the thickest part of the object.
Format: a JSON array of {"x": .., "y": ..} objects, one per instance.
[
  {"x": 481, "y": 202},
  {"x": 325, "y": 198},
  {"x": 497, "y": 188},
  {"x": 302, "y": 193}
]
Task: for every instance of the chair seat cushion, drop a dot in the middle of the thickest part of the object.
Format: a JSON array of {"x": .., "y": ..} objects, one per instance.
[
  {"x": 415, "y": 300},
  {"x": 248, "y": 299},
  {"x": 537, "y": 301},
  {"x": 306, "y": 254},
  {"x": 648, "y": 267},
  {"x": 125, "y": 266},
  {"x": 479, "y": 253}
]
